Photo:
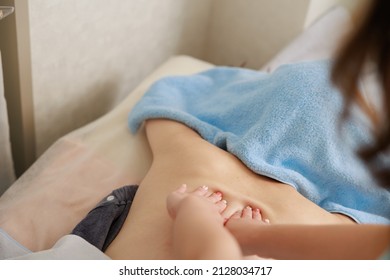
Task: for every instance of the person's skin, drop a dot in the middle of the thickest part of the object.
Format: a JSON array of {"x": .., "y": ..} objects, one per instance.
[
  {"x": 198, "y": 227},
  {"x": 198, "y": 230},
  {"x": 181, "y": 155},
  {"x": 310, "y": 241}
]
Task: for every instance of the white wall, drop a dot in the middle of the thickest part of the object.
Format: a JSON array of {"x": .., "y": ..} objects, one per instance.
[
  {"x": 252, "y": 31},
  {"x": 7, "y": 175},
  {"x": 15, "y": 48},
  {"x": 88, "y": 55}
]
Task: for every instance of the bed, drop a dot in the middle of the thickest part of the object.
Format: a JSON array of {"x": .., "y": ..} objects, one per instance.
[{"x": 40, "y": 209}]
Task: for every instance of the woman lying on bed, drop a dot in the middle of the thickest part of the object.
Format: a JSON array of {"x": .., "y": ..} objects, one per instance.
[
  {"x": 181, "y": 155},
  {"x": 319, "y": 189}
]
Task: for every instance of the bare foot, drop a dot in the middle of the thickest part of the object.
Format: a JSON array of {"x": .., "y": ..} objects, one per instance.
[
  {"x": 210, "y": 200},
  {"x": 248, "y": 214},
  {"x": 198, "y": 226},
  {"x": 243, "y": 223}
]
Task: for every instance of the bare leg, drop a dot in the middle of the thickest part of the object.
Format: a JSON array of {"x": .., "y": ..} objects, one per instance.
[
  {"x": 199, "y": 231},
  {"x": 245, "y": 220}
]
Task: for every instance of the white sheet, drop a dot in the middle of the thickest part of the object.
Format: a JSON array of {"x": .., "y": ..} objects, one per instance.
[{"x": 69, "y": 247}]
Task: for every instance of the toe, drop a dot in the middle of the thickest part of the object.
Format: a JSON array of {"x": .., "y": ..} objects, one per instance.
[
  {"x": 201, "y": 191},
  {"x": 182, "y": 189},
  {"x": 222, "y": 204},
  {"x": 247, "y": 212},
  {"x": 257, "y": 214},
  {"x": 215, "y": 197}
]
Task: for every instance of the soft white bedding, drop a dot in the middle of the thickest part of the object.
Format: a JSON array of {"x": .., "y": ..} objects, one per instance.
[
  {"x": 68, "y": 247},
  {"x": 46, "y": 203}
]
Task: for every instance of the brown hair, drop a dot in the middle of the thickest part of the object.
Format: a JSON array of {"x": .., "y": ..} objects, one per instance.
[{"x": 369, "y": 44}]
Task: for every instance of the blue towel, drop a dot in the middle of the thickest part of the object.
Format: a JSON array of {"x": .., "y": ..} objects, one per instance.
[{"x": 283, "y": 125}]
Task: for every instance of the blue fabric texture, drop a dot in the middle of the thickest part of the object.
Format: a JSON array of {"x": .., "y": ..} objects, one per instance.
[{"x": 283, "y": 125}]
